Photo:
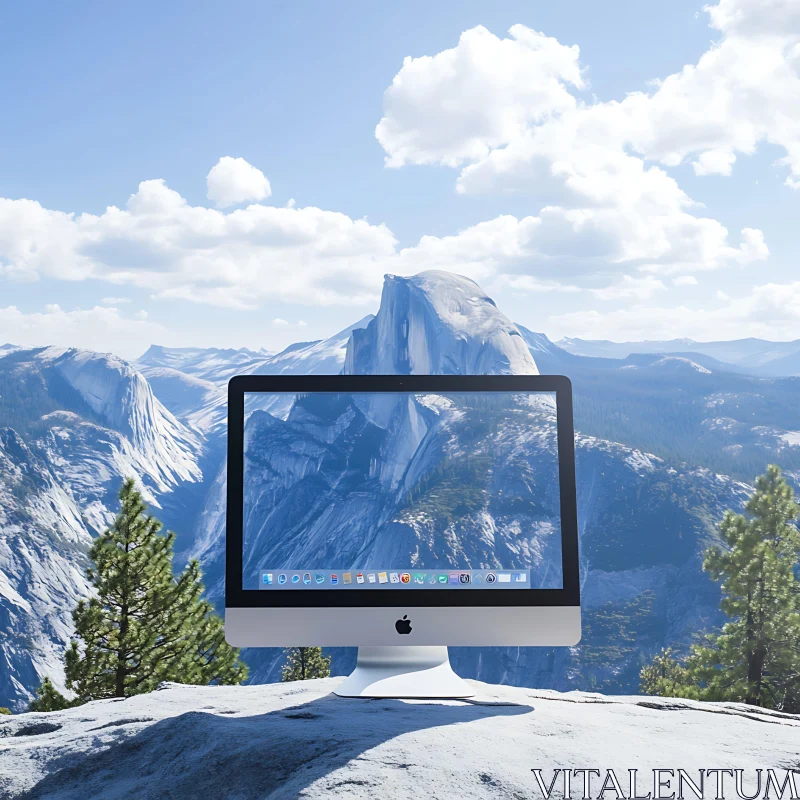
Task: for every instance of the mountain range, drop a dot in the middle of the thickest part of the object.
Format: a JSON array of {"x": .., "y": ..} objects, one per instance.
[
  {"x": 666, "y": 441},
  {"x": 748, "y": 356}
]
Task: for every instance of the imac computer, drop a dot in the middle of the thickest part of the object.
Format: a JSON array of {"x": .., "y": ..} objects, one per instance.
[{"x": 401, "y": 514}]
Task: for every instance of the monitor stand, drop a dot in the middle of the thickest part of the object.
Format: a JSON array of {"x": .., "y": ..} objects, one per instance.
[{"x": 410, "y": 672}]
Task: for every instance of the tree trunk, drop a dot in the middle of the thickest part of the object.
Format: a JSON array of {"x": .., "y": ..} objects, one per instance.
[
  {"x": 755, "y": 673},
  {"x": 119, "y": 688},
  {"x": 758, "y": 654},
  {"x": 119, "y": 678}
]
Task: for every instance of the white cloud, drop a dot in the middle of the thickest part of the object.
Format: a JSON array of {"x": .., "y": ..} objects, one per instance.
[
  {"x": 591, "y": 164},
  {"x": 479, "y": 252},
  {"x": 588, "y": 239},
  {"x": 714, "y": 162},
  {"x": 279, "y": 322},
  {"x": 232, "y": 181},
  {"x": 770, "y": 311},
  {"x": 245, "y": 257},
  {"x": 744, "y": 90},
  {"x": 533, "y": 285},
  {"x": 459, "y": 104},
  {"x": 685, "y": 280},
  {"x": 638, "y": 211},
  {"x": 756, "y": 17},
  {"x": 31, "y": 235},
  {"x": 96, "y": 328},
  {"x": 486, "y": 93},
  {"x": 631, "y": 288},
  {"x": 239, "y": 258}
]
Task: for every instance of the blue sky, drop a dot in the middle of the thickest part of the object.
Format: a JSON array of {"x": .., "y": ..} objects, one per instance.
[{"x": 100, "y": 97}]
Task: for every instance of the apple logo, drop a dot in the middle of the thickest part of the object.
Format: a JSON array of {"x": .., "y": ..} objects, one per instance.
[{"x": 403, "y": 625}]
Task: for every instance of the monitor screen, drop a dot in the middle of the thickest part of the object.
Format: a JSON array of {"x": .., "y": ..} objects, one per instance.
[{"x": 401, "y": 490}]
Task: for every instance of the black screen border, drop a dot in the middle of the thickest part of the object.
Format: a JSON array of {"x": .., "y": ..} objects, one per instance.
[{"x": 238, "y": 597}]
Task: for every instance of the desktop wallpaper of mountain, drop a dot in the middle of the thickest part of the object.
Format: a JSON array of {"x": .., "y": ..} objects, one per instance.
[{"x": 604, "y": 193}]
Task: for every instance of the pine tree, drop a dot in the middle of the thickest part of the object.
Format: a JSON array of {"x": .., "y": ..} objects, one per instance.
[
  {"x": 305, "y": 663},
  {"x": 48, "y": 698},
  {"x": 756, "y": 656},
  {"x": 665, "y": 676},
  {"x": 143, "y": 626}
]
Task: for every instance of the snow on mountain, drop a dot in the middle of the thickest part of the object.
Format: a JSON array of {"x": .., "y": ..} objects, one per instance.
[
  {"x": 155, "y": 446},
  {"x": 676, "y": 364},
  {"x": 539, "y": 343},
  {"x": 300, "y": 740},
  {"x": 201, "y": 402},
  {"x": 323, "y": 357},
  {"x": 437, "y": 323},
  {"x": 74, "y": 424},
  {"x": 180, "y": 392},
  {"x": 43, "y": 541},
  {"x": 603, "y": 348},
  {"x": 217, "y": 366},
  {"x": 208, "y": 363},
  {"x": 198, "y": 403}
]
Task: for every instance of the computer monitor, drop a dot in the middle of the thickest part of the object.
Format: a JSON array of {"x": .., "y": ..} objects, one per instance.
[{"x": 380, "y": 511}]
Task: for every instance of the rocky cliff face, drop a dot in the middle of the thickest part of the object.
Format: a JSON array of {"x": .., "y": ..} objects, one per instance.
[
  {"x": 73, "y": 424},
  {"x": 437, "y": 323},
  {"x": 155, "y": 445},
  {"x": 43, "y": 541}
]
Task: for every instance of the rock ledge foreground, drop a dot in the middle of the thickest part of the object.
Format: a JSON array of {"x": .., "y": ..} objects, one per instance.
[{"x": 299, "y": 740}]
